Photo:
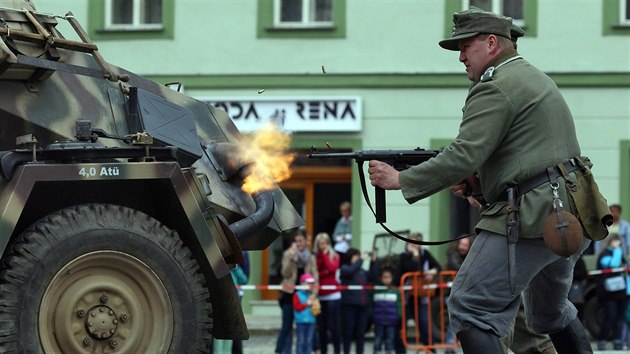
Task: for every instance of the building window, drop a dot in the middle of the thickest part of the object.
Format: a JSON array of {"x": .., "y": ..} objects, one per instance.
[
  {"x": 131, "y": 19},
  {"x": 616, "y": 17},
  {"x": 523, "y": 13},
  {"x": 303, "y": 13},
  {"x": 301, "y": 19},
  {"x": 509, "y": 8},
  {"x": 624, "y": 11},
  {"x": 133, "y": 14}
]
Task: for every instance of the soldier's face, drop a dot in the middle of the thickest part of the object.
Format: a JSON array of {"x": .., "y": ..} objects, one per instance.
[{"x": 474, "y": 53}]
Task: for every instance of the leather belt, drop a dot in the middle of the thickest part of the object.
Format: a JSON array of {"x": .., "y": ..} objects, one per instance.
[{"x": 571, "y": 165}]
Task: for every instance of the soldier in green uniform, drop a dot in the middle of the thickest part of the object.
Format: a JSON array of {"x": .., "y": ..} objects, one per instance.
[
  {"x": 520, "y": 338},
  {"x": 515, "y": 128}
]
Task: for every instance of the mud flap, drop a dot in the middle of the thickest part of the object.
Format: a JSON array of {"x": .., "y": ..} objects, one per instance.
[{"x": 228, "y": 320}]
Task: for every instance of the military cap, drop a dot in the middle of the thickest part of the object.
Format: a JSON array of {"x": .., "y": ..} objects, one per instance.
[
  {"x": 474, "y": 21},
  {"x": 516, "y": 32}
]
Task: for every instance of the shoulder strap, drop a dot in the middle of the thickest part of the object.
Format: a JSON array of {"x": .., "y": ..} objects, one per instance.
[{"x": 398, "y": 236}]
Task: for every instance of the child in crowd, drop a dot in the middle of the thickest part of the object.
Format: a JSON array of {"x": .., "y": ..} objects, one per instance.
[
  {"x": 304, "y": 318},
  {"x": 386, "y": 313},
  {"x": 353, "y": 303}
]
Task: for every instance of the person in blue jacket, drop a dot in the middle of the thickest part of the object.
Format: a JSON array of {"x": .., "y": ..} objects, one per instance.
[
  {"x": 612, "y": 290},
  {"x": 304, "y": 318}
]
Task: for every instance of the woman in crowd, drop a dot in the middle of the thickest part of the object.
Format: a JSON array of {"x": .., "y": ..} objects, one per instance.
[
  {"x": 327, "y": 266},
  {"x": 296, "y": 260}
]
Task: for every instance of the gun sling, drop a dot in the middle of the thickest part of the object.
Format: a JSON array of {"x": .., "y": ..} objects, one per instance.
[{"x": 400, "y": 237}]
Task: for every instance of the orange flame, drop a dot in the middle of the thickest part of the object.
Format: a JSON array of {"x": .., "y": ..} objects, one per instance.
[{"x": 268, "y": 149}]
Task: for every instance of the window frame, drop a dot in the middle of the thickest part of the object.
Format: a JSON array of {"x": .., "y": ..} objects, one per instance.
[
  {"x": 307, "y": 7},
  {"x": 98, "y": 30},
  {"x": 612, "y": 18},
  {"x": 267, "y": 28},
  {"x": 135, "y": 25},
  {"x": 623, "y": 8},
  {"x": 498, "y": 4},
  {"x": 530, "y": 16}
]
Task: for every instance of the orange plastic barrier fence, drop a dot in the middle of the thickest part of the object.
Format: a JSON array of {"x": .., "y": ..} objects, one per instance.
[{"x": 415, "y": 287}]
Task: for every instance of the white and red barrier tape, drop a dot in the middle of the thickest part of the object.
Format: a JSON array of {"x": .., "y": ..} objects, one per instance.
[
  {"x": 610, "y": 270},
  {"x": 339, "y": 287},
  {"x": 383, "y": 287}
]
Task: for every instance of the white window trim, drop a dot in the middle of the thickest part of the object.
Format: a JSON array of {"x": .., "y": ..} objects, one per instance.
[
  {"x": 305, "y": 23},
  {"x": 623, "y": 21},
  {"x": 497, "y": 7},
  {"x": 135, "y": 25}
]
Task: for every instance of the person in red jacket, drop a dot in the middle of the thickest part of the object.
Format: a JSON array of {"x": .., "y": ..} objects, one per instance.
[{"x": 328, "y": 266}]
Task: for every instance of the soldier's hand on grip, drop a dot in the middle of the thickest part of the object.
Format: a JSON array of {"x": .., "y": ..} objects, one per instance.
[{"x": 383, "y": 175}]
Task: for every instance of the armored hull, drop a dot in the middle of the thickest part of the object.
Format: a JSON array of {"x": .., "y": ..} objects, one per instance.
[{"x": 122, "y": 212}]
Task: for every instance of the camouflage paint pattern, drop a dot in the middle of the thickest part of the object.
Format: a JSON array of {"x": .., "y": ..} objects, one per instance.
[
  {"x": 46, "y": 98},
  {"x": 50, "y": 108}
]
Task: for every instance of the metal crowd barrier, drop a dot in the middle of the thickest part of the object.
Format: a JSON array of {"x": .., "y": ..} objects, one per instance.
[{"x": 414, "y": 289}]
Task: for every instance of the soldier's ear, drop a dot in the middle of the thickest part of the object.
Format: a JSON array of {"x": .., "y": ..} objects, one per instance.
[{"x": 492, "y": 40}]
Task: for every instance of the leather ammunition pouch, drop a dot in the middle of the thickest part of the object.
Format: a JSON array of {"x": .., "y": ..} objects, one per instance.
[{"x": 587, "y": 203}]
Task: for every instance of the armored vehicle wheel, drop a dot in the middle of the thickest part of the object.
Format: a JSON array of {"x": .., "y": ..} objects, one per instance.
[{"x": 98, "y": 279}]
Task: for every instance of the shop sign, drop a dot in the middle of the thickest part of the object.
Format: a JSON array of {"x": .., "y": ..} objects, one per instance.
[{"x": 312, "y": 114}]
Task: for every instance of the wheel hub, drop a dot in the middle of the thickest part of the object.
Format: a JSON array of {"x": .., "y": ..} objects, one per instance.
[
  {"x": 104, "y": 301},
  {"x": 101, "y": 322}
]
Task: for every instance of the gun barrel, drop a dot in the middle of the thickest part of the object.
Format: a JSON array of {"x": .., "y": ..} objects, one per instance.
[
  {"x": 382, "y": 155},
  {"x": 333, "y": 155}
]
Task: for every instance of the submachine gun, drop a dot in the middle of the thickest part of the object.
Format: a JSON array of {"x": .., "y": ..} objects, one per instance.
[{"x": 399, "y": 159}]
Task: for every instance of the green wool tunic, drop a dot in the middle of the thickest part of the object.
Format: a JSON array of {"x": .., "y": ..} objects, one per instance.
[{"x": 515, "y": 124}]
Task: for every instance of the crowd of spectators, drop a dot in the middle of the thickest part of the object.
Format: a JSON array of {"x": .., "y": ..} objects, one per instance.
[{"x": 342, "y": 317}]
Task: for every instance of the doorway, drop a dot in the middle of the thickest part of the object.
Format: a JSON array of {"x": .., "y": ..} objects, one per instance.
[{"x": 316, "y": 193}]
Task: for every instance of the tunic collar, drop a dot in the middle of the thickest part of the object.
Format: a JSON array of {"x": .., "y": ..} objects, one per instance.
[{"x": 503, "y": 58}]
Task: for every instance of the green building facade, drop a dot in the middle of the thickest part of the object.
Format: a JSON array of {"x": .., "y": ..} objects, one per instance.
[{"x": 381, "y": 59}]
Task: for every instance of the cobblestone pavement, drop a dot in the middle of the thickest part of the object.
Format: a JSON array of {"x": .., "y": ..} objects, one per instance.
[
  {"x": 264, "y": 331},
  {"x": 264, "y": 343}
]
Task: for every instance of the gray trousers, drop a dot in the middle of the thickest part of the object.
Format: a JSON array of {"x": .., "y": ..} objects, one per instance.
[
  {"x": 481, "y": 296},
  {"x": 522, "y": 340}
]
